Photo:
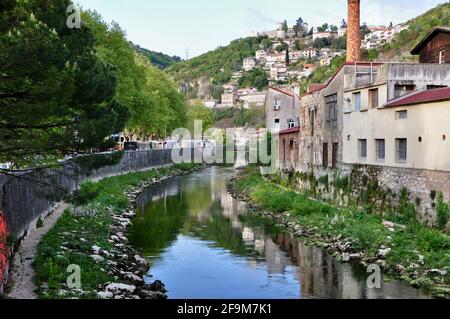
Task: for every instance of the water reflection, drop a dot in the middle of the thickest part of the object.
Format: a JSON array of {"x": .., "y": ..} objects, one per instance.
[{"x": 202, "y": 244}]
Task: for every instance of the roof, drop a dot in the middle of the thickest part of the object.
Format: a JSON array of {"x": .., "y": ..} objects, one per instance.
[
  {"x": 290, "y": 130},
  {"x": 428, "y": 38},
  {"x": 315, "y": 87},
  {"x": 436, "y": 95},
  {"x": 283, "y": 92}
]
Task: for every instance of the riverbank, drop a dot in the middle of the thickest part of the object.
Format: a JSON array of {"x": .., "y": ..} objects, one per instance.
[
  {"x": 405, "y": 250},
  {"x": 88, "y": 246}
]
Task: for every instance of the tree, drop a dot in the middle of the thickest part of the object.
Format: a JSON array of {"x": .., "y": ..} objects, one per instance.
[
  {"x": 323, "y": 28},
  {"x": 256, "y": 78},
  {"x": 287, "y": 55},
  {"x": 266, "y": 44},
  {"x": 334, "y": 28},
  {"x": 154, "y": 104},
  {"x": 285, "y": 26},
  {"x": 56, "y": 95},
  {"x": 198, "y": 112}
]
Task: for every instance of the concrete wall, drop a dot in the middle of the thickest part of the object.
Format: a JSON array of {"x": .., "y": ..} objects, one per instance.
[
  {"x": 427, "y": 122},
  {"x": 289, "y": 109},
  {"x": 27, "y": 196}
]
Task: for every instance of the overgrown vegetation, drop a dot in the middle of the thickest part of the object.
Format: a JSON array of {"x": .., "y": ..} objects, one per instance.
[
  {"x": 218, "y": 65},
  {"x": 418, "y": 28},
  {"x": 409, "y": 242},
  {"x": 86, "y": 224}
]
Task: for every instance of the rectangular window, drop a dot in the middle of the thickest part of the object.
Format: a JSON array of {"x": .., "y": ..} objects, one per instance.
[
  {"x": 401, "y": 145},
  {"x": 401, "y": 115},
  {"x": 277, "y": 104},
  {"x": 291, "y": 123},
  {"x": 331, "y": 108},
  {"x": 335, "y": 155},
  {"x": 432, "y": 87},
  {"x": 325, "y": 155},
  {"x": 362, "y": 149},
  {"x": 401, "y": 90},
  {"x": 357, "y": 101},
  {"x": 381, "y": 149},
  {"x": 373, "y": 98}
]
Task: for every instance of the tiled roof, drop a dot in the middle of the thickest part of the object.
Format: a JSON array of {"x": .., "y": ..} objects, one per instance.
[
  {"x": 429, "y": 96},
  {"x": 290, "y": 130},
  {"x": 281, "y": 91}
]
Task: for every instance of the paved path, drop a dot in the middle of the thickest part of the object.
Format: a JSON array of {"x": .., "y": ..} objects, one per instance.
[{"x": 22, "y": 273}]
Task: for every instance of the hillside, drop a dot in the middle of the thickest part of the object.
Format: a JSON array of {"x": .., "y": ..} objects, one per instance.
[
  {"x": 419, "y": 27},
  {"x": 158, "y": 59},
  {"x": 217, "y": 65}
]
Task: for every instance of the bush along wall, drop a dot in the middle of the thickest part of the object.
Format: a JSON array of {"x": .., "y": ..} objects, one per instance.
[
  {"x": 356, "y": 220},
  {"x": 92, "y": 234}
]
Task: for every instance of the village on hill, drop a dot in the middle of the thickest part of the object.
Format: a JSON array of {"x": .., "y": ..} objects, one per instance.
[{"x": 289, "y": 55}]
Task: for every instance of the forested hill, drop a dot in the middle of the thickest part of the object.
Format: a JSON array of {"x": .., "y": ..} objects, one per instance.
[
  {"x": 218, "y": 65},
  {"x": 419, "y": 27},
  {"x": 158, "y": 59}
]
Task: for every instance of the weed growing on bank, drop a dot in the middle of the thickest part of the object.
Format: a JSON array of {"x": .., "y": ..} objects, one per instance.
[{"x": 87, "y": 224}]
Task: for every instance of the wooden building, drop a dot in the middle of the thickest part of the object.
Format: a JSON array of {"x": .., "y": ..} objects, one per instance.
[{"x": 435, "y": 47}]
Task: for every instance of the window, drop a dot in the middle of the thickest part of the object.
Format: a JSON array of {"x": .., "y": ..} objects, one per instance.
[
  {"x": 432, "y": 87},
  {"x": 401, "y": 90},
  {"x": 381, "y": 149},
  {"x": 331, "y": 109},
  {"x": 325, "y": 155},
  {"x": 401, "y": 115},
  {"x": 291, "y": 123},
  {"x": 373, "y": 98},
  {"x": 362, "y": 149},
  {"x": 357, "y": 101},
  {"x": 401, "y": 145},
  {"x": 277, "y": 104},
  {"x": 334, "y": 156}
]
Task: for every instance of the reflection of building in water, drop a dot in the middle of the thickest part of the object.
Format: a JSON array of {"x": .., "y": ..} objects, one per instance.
[{"x": 248, "y": 234}]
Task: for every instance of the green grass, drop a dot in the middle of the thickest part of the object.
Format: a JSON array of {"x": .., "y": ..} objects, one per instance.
[
  {"x": 70, "y": 241},
  {"x": 365, "y": 229}
]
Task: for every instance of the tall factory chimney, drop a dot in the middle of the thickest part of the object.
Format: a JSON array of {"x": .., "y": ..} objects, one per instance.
[{"x": 354, "y": 31}]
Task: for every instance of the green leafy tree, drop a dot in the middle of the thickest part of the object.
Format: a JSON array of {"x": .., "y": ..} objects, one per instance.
[
  {"x": 256, "y": 78},
  {"x": 56, "y": 95},
  {"x": 198, "y": 112},
  {"x": 285, "y": 26}
]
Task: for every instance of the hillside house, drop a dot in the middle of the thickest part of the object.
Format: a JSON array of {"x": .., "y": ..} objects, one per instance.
[
  {"x": 249, "y": 64},
  {"x": 282, "y": 109}
]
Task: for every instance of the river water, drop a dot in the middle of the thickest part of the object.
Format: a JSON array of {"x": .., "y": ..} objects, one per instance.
[{"x": 203, "y": 245}]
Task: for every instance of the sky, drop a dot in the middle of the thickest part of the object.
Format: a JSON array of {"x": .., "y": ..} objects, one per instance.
[{"x": 188, "y": 28}]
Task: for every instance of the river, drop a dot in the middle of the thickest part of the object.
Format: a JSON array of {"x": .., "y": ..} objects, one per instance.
[{"x": 203, "y": 245}]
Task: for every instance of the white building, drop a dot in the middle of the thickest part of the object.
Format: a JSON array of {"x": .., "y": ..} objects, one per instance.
[
  {"x": 249, "y": 64},
  {"x": 254, "y": 99}
]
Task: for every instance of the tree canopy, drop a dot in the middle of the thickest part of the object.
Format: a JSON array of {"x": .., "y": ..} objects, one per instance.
[{"x": 56, "y": 95}]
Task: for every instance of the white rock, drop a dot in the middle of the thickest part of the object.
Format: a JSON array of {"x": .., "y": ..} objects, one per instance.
[
  {"x": 345, "y": 257},
  {"x": 115, "y": 287},
  {"x": 105, "y": 294},
  {"x": 97, "y": 258},
  {"x": 384, "y": 252},
  {"x": 140, "y": 260},
  {"x": 96, "y": 249}
]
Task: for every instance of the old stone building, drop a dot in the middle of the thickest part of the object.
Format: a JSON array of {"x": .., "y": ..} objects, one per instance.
[
  {"x": 435, "y": 48},
  {"x": 289, "y": 148},
  {"x": 282, "y": 110}
]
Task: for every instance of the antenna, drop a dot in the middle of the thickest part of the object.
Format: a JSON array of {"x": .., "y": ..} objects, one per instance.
[{"x": 187, "y": 54}]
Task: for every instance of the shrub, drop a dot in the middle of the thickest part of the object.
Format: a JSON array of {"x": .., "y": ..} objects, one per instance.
[
  {"x": 442, "y": 212},
  {"x": 87, "y": 192},
  {"x": 39, "y": 223}
]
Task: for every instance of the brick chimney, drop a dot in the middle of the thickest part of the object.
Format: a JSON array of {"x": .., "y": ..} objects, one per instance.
[{"x": 354, "y": 31}]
